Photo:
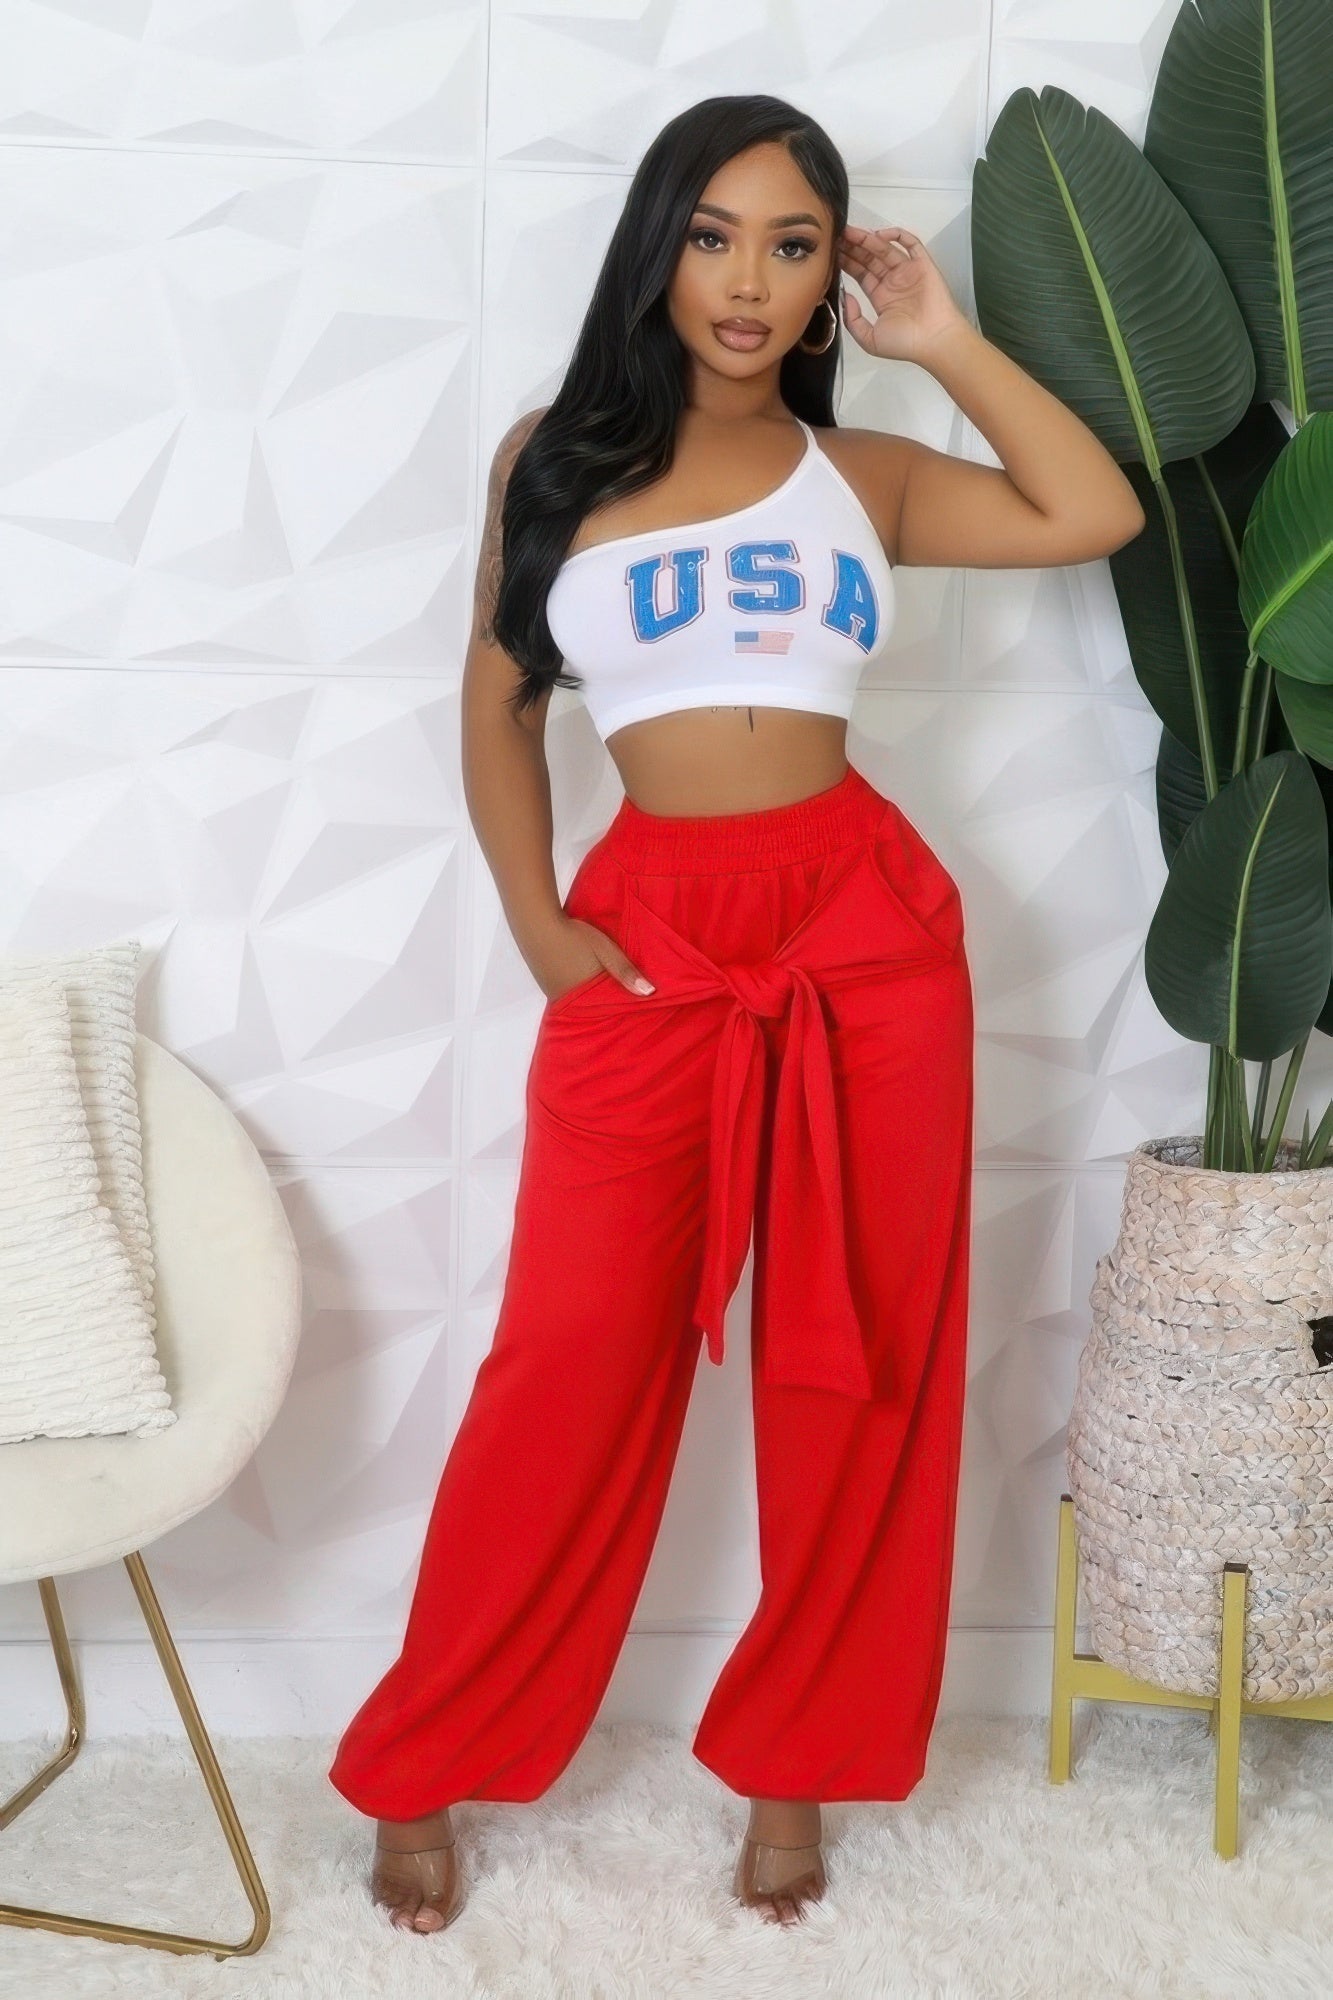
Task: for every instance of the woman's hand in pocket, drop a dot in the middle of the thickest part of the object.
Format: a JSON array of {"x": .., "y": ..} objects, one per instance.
[{"x": 577, "y": 953}]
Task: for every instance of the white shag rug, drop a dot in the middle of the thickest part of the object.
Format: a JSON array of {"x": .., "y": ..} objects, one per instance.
[{"x": 989, "y": 1883}]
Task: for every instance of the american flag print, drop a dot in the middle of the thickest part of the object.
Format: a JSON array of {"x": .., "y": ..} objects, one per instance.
[{"x": 763, "y": 642}]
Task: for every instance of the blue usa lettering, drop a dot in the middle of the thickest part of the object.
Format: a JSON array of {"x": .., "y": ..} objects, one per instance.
[
  {"x": 771, "y": 589},
  {"x": 650, "y": 623},
  {"x": 764, "y": 578},
  {"x": 853, "y": 608}
]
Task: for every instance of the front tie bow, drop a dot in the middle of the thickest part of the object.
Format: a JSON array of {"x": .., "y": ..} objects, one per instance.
[
  {"x": 814, "y": 1338},
  {"x": 813, "y": 1335}
]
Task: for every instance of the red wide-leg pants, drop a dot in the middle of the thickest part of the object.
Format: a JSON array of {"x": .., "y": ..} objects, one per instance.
[{"x": 805, "y": 1065}]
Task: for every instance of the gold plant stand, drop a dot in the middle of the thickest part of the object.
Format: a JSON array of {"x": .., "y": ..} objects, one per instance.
[
  {"x": 54, "y": 1920},
  {"x": 1089, "y": 1678}
]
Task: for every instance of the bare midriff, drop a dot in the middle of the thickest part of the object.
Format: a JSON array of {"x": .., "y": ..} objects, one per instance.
[{"x": 728, "y": 759}]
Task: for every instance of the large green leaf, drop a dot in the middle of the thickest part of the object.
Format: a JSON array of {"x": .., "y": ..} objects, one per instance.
[
  {"x": 1220, "y": 482},
  {"x": 1181, "y": 793},
  {"x": 1238, "y": 127},
  {"x": 1307, "y": 711},
  {"x": 1090, "y": 274},
  {"x": 1286, "y": 558},
  {"x": 1324, "y": 780},
  {"x": 1240, "y": 949}
]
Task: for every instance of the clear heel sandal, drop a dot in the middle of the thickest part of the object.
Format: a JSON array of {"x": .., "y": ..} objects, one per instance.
[
  {"x": 416, "y": 1883},
  {"x": 779, "y": 1881}
]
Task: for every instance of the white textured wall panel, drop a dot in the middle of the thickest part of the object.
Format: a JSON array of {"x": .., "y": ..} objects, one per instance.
[
  {"x": 273, "y": 281},
  {"x": 899, "y": 89},
  {"x": 237, "y": 410},
  {"x": 390, "y": 77}
]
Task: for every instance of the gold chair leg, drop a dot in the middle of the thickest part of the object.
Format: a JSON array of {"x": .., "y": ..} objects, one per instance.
[
  {"x": 74, "y": 1718},
  {"x": 177, "y": 1941}
]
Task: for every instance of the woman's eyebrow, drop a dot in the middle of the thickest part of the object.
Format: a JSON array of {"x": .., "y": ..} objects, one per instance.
[{"x": 777, "y": 221}]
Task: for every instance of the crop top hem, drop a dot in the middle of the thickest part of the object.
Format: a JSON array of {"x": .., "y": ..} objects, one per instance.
[{"x": 743, "y": 694}]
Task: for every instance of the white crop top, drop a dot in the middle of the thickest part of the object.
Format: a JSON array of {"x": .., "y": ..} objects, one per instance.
[{"x": 780, "y": 603}]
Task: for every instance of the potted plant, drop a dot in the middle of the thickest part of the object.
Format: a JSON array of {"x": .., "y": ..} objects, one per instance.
[{"x": 1173, "y": 296}]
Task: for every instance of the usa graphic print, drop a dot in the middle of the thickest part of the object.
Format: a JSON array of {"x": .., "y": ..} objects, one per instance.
[{"x": 764, "y": 577}]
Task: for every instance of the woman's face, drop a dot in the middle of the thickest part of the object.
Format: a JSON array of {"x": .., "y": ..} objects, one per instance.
[{"x": 760, "y": 247}]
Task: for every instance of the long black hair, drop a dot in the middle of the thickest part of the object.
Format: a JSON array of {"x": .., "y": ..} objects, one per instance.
[{"x": 611, "y": 427}]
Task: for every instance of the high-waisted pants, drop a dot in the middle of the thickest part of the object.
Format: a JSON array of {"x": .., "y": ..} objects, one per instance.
[{"x": 804, "y": 1066}]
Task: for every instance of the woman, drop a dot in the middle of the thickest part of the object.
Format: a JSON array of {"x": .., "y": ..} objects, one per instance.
[{"x": 758, "y": 1010}]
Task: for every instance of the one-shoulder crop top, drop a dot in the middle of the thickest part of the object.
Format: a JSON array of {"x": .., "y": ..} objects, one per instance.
[{"x": 779, "y": 603}]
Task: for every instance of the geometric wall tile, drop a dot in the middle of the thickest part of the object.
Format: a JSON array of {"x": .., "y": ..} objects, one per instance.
[
  {"x": 288, "y": 851},
  {"x": 1037, "y": 1233},
  {"x": 900, "y": 91},
  {"x": 237, "y": 390},
  {"x": 391, "y": 79}
]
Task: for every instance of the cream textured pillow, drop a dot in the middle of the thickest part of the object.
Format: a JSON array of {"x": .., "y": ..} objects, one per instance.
[
  {"x": 99, "y": 983},
  {"x": 77, "y": 1355}
]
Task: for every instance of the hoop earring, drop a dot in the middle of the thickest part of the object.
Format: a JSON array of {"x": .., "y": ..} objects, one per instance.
[{"x": 832, "y": 332}]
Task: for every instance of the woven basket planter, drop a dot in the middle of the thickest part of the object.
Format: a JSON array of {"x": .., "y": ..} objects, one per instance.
[{"x": 1202, "y": 1425}]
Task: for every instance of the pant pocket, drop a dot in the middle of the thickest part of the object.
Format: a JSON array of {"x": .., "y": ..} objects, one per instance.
[
  {"x": 597, "y": 895},
  {"x": 580, "y": 987},
  {"x": 917, "y": 882}
]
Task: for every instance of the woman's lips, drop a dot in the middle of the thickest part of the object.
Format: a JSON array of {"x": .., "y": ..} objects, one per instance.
[{"x": 739, "y": 337}]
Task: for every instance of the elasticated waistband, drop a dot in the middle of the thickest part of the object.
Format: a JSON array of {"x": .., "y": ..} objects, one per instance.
[{"x": 708, "y": 843}]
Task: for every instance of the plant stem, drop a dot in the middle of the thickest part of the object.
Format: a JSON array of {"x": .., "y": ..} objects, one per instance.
[
  {"x": 1323, "y": 1133},
  {"x": 1241, "y": 757},
  {"x": 1261, "y": 1094},
  {"x": 1211, "y": 1137},
  {"x": 1191, "y": 638},
  {"x": 1261, "y": 712},
  {"x": 1283, "y": 1104},
  {"x": 1223, "y": 1113},
  {"x": 1242, "y": 1115}
]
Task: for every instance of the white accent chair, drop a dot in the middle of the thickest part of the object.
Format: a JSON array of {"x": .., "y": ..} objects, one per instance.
[{"x": 228, "y": 1299}]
